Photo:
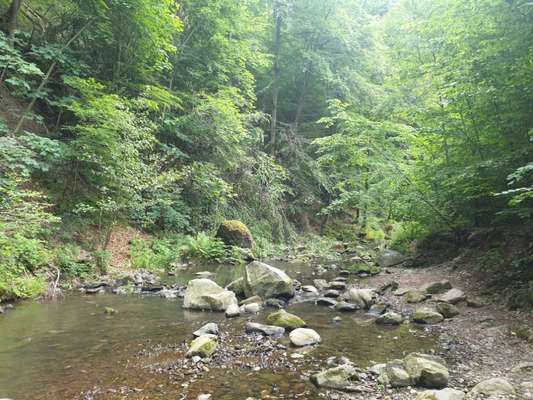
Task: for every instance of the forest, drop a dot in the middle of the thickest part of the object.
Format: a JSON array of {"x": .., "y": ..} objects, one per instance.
[{"x": 377, "y": 153}]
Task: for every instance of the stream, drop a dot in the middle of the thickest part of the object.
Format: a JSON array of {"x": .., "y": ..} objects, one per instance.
[{"x": 70, "y": 349}]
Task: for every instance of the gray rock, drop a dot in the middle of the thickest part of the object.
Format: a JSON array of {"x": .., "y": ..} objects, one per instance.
[
  {"x": 401, "y": 291},
  {"x": 304, "y": 337},
  {"x": 452, "y": 296},
  {"x": 427, "y": 316},
  {"x": 339, "y": 378},
  {"x": 447, "y": 310},
  {"x": 332, "y": 293},
  {"x": 326, "y": 301},
  {"x": 415, "y": 296},
  {"x": 346, "y": 307},
  {"x": 320, "y": 284},
  {"x": 266, "y": 281},
  {"x": 250, "y": 300},
  {"x": 267, "y": 330},
  {"x": 203, "y": 346},
  {"x": 275, "y": 303},
  {"x": 204, "y": 294},
  {"x": 363, "y": 298},
  {"x": 393, "y": 373},
  {"x": 252, "y": 308},
  {"x": 208, "y": 329},
  {"x": 474, "y": 302},
  {"x": 388, "y": 258},
  {"x": 492, "y": 387},
  {"x": 377, "y": 309},
  {"x": 426, "y": 370},
  {"x": 232, "y": 311},
  {"x": 237, "y": 287},
  {"x": 389, "y": 318},
  {"x": 204, "y": 397},
  {"x": 337, "y": 285},
  {"x": 310, "y": 289},
  {"x": 443, "y": 394}
]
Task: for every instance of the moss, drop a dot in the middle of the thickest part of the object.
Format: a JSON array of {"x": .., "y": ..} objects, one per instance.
[
  {"x": 363, "y": 269},
  {"x": 235, "y": 233}
]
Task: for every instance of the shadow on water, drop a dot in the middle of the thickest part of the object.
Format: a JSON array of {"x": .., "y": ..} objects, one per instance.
[{"x": 60, "y": 349}]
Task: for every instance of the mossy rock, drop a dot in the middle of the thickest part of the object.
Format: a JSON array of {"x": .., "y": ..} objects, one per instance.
[
  {"x": 235, "y": 233},
  {"x": 359, "y": 269},
  {"x": 285, "y": 320}
]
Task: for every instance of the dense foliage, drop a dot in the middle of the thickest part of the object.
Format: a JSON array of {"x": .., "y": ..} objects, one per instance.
[{"x": 346, "y": 117}]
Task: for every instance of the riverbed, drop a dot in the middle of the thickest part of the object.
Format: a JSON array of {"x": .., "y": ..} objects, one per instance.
[{"x": 71, "y": 349}]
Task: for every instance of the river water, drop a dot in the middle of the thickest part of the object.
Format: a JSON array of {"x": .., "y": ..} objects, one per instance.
[{"x": 66, "y": 349}]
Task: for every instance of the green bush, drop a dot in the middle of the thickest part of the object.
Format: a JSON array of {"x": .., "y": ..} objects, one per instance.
[{"x": 158, "y": 254}]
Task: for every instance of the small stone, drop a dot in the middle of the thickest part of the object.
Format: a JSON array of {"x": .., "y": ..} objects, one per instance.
[
  {"x": 250, "y": 300},
  {"x": 452, "y": 296},
  {"x": 332, "y": 293},
  {"x": 335, "y": 378},
  {"x": 275, "y": 303},
  {"x": 447, "y": 310},
  {"x": 320, "y": 284},
  {"x": 286, "y": 320},
  {"x": 304, "y": 337},
  {"x": 268, "y": 330},
  {"x": 337, "y": 285},
  {"x": 415, "y": 296},
  {"x": 232, "y": 311},
  {"x": 427, "y": 316},
  {"x": 251, "y": 308},
  {"x": 427, "y": 370},
  {"x": 377, "y": 309},
  {"x": 110, "y": 311},
  {"x": 208, "y": 329},
  {"x": 203, "y": 346},
  {"x": 204, "y": 397},
  {"x": 492, "y": 387},
  {"x": 326, "y": 301},
  {"x": 401, "y": 291},
  {"x": 346, "y": 307},
  {"x": 444, "y": 394},
  {"x": 474, "y": 302},
  {"x": 310, "y": 289},
  {"x": 389, "y": 318}
]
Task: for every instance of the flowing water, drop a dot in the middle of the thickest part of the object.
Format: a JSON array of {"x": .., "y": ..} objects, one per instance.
[{"x": 66, "y": 348}]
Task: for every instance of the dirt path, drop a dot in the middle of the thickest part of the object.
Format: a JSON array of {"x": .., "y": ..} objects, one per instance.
[{"x": 482, "y": 342}]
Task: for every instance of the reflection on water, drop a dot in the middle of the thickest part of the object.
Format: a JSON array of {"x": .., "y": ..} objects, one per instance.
[{"x": 58, "y": 350}]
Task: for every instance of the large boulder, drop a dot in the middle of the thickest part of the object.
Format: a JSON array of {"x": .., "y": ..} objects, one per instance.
[
  {"x": 266, "y": 281},
  {"x": 491, "y": 387},
  {"x": 304, "y": 337},
  {"x": 427, "y": 370},
  {"x": 285, "y": 320},
  {"x": 235, "y": 233},
  {"x": 203, "y": 346},
  {"x": 204, "y": 294},
  {"x": 388, "y": 258},
  {"x": 363, "y": 298},
  {"x": 336, "y": 378},
  {"x": 443, "y": 394}
]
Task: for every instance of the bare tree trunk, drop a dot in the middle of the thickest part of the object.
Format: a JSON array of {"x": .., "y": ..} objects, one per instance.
[
  {"x": 301, "y": 99},
  {"x": 10, "y": 19},
  {"x": 275, "y": 86}
]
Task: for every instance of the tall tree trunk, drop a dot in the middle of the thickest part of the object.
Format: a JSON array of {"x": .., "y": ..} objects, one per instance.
[
  {"x": 10, "y": 19},
  {"x": 275, "y": 86}
]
